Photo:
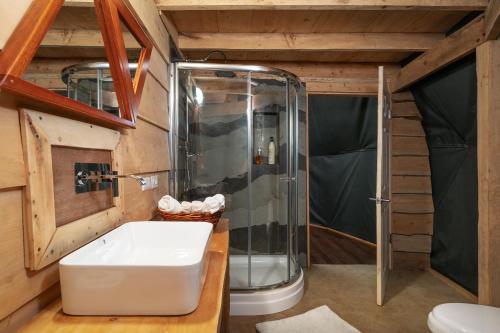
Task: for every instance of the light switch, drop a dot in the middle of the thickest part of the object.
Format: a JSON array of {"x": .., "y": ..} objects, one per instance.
[
  {"x": 154, "y": 181},
  {"x": 147, "y": 186}
]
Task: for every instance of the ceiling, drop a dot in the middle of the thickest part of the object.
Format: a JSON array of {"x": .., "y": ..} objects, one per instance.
[
  {"x": 375, "y": 29},
  {"x": 314, "y": 21},
  {"x": 192, "y": 22}
]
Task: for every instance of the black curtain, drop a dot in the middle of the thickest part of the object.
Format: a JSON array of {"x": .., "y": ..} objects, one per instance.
[
  {"x": 447, "y": 101},
  {"x": 342, "y": 163}
]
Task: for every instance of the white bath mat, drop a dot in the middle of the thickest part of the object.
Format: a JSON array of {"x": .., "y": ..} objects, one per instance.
[{"x": 319, "y": 320}]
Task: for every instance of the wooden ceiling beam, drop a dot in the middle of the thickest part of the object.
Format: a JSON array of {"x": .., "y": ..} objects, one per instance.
[
  {"x": 465, "y": 5},
  {"x": 82, "y": 38},
  {"x": 309, "y": 41},
  {"x": 309, "y": 70},
  {"x": 79, "y": 3},
  {"x": 452, "y": 48},
  {"x": 492, "y": 17}
]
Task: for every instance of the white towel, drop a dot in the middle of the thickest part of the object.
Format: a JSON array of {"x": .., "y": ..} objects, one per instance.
[
  {"x": 211, "y": 205},
  {"x": 196, "y": 206},
  {"x": 318, "y": 320},
  {"x": 186, "y": 207},
  {"x": 169, "y": 205},
  {"x": 220, "y": 198}
]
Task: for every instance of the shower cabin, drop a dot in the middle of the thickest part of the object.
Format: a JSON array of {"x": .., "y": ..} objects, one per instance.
[{"x": 222, "y": 121}]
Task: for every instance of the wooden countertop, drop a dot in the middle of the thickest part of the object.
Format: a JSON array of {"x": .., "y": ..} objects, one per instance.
[{"x": 206, "y": 318}]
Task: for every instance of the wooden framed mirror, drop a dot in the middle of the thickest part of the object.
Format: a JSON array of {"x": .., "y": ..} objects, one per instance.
[{"x": 85, "y": 63}]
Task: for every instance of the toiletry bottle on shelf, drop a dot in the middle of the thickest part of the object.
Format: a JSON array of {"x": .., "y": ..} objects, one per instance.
[
  {"x": 258, "y": 157},
  {"x": 272, "y": 151}
]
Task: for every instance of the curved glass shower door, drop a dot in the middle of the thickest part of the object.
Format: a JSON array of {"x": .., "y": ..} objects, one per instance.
[
  {"x": 224, "y": 120},
  {"x": 268, "y": 233}
]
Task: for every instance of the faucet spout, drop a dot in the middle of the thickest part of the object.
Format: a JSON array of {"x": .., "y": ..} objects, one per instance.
[
  {"x": 141, "y": 180},
  {"x": 98, "y": 177}
]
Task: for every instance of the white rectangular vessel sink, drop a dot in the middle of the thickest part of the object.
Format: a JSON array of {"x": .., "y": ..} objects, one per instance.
[{"x": 140, "y": 268}]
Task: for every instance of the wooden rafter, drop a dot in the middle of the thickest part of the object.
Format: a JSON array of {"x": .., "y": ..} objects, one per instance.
[
  {"x": 311, "y": 41},
  {"x": 79, "y": 3},
  {"x": 330, "y": 70},
  {"x": 82, "y": 38},
  {"x": 452, "y": 48},
  {"x": 492, "y": 17},
  {"x": 171, "y": 28},
  {"x": 466, "y": 5}
]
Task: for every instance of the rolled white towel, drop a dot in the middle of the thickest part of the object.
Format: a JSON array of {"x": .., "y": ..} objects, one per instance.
[
  {"x": 211, "y": 205},
  {"x": 220, "y": 198},
  {"x": 196, "y": 206},
  {"x": 186, "y": 207},
  {"x": 169, "y": 205}
]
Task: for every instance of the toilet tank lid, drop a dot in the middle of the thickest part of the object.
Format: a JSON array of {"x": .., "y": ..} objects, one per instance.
[{"x": 468, "y": 318}]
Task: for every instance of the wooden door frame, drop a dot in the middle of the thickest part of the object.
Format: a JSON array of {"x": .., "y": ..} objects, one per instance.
[{"x": 382, "y": 272}]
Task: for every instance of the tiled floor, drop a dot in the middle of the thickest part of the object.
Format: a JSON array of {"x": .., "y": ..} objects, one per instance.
[{"x": 349, "y": 290}]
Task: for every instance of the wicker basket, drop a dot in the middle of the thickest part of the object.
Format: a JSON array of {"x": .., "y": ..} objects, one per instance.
[{"x": 202, "y": 217}]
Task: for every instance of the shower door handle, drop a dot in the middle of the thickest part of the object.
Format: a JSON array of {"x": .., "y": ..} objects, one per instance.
[
  {"x": 189, "y": 155},
  {"x": 287, "y": 179},
  {"x": 379, "y": 200}
]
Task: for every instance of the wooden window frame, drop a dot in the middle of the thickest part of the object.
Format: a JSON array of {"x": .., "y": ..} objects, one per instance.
[{"x": 24, "y": 42}]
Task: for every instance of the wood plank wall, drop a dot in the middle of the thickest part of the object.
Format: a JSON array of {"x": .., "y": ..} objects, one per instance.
[
  {"x": 16, "y": 10},
  {"x": 144, "y": 151},
  {"x": 412, "y": 208},
  {"x": 488, "y": 142}
]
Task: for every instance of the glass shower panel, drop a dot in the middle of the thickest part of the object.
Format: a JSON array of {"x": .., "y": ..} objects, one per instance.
[
  {"x": 216, "y": 153},
  {"x": 302, "y": 176},
  {"x": 292, "y": 180},
  {"x": 185, "y": 101},
  {"x": 269, "y": 186}
]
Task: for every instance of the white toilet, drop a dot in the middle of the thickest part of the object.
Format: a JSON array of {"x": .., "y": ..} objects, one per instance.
[{"x": 464, "y": 318}]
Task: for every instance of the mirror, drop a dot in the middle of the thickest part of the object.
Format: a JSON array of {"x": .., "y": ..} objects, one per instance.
[
  {"x": 71, "y": 60},
  {"x": 96, "y": 56}
]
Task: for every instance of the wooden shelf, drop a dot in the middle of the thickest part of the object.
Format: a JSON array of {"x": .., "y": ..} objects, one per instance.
[{"x": 210, "y": 316}]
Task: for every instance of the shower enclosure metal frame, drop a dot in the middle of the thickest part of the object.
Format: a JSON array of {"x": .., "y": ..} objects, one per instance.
[
  {"x": 292, "y": 82},
  {"x": 99, "y": 68}
]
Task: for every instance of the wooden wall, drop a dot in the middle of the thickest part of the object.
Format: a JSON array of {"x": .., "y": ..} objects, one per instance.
[
  {"x": 488, "y": 143},
  {"x": 412, "y": 206},
  {"x": 144, "y": 151},
  {"x": 15, "y": 10},
  {"x": 336, "y": 78}
]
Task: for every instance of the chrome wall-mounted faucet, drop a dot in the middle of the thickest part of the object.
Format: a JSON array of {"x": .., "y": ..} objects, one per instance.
[
  {"x": 99, "y": 176},
  {"x": 83, "y": 177}
]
